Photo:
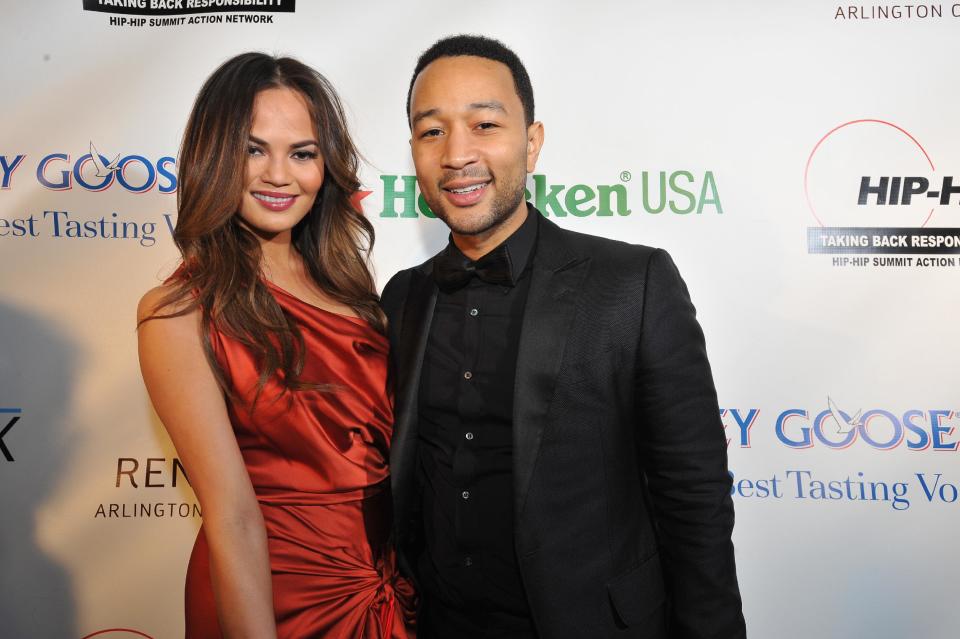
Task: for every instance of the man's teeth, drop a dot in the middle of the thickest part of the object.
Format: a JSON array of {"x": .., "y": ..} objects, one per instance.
[
  {"x": 271, "y": 199},
  {"x": 468, "y": 189}
]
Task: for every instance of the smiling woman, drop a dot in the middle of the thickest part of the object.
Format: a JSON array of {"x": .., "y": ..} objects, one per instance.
[
  {"x": 284, "y": 169},
  {"x": 265, "y": 358}
]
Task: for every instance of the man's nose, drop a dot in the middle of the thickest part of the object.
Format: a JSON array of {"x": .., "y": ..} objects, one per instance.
[{"x": 460, "y": 149}]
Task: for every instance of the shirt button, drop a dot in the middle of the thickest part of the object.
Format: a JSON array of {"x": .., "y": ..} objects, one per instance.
[
  {"x": 469, "y": 436},
  {"x": 468, "y": 562},
  {"x": 465, "y": 494},
  {"x": 474, "y": 312},
  {"x": 468, "y": 375}
]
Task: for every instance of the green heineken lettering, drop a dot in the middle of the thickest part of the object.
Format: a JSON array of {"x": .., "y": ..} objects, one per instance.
[
  {"x": 424, "y": 207},
  {"x": 711, "y": 184},
  {"x": 577, "y": 195},
  {"x": 606, "y": 190},
  {"x": 676, "y": 190},
  {"x": 548, "y": 201},
  {"x": 408, "y": 195},
  {"x": 680, "y": 191},
  {"x": 645, "y": 187}
]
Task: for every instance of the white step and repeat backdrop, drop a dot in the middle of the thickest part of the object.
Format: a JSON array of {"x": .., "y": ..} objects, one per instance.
[{"x": 801, "y": 161}]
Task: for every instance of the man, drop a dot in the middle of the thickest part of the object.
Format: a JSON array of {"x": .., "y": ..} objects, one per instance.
[{"x": 558, "y": 463}]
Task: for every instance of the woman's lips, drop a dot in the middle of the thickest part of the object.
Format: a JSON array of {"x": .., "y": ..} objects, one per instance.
[
  {"x": 465, "y": 195},
  {"x": 274, "y": 201}
]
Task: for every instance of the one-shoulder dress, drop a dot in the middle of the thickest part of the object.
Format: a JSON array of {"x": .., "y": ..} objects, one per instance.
[{"x": 317, "y": 459}]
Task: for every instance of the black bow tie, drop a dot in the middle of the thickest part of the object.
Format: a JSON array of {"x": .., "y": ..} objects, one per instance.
[{"x": 451, "y": 270}]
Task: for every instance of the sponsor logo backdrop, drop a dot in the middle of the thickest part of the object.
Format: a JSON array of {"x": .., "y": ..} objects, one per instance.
[{"x": 799, "y": 162}]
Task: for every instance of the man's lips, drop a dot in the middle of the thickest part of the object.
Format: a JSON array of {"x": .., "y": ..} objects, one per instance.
[
  {"x": 463, "y": 192},
  {"x": 273, "y": 200}
]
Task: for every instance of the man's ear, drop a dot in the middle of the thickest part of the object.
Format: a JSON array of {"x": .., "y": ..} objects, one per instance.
[{"x": 534, "y": 144}]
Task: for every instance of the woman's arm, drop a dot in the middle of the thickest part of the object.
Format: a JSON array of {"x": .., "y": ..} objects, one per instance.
[{"x": 191, "y": 405}]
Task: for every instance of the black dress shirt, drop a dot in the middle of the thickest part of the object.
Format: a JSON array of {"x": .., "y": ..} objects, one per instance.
[{"x": 469, "y": 572}]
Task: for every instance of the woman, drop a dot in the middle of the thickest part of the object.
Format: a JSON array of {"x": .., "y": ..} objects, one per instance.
[{"x": 265, "y": 358}]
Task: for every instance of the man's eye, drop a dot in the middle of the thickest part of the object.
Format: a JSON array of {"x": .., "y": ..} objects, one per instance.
[
  {"x": 430, "y": 133},
  {"x": 487, "y": 125}
]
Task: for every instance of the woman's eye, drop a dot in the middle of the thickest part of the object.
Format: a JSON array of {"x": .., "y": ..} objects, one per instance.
[
  {"x": 305, "y": 155},
  {"x": 254, "y": 150}
]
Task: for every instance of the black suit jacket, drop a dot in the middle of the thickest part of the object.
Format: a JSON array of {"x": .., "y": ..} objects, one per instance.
[{"x": 623, "y": 513}]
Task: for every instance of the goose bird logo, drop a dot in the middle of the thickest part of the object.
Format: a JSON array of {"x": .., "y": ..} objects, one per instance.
[
  {"x": 103, "y": 170},
  {"x": 844, "y": 426}
]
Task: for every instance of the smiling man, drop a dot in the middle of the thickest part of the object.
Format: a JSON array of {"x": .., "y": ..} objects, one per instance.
[{"x": 559, "y": 467}]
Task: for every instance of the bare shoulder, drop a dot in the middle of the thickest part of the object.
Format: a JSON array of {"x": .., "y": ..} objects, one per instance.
[
  {"x": 170, "y": 349},
  {"x": 180, "y": 332},
  {"x": 152, "y": 303}
]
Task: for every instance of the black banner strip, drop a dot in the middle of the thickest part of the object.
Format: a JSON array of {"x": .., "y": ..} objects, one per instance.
[{"x": 187, "y": 7}]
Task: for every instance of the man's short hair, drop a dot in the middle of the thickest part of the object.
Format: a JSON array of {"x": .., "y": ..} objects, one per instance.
[{"x": 481, "y": 47}]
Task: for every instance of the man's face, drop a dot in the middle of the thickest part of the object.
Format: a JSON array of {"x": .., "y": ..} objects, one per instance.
[{"x": 471, "y": 147}]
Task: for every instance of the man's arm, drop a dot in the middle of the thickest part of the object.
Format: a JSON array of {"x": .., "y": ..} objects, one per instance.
[{"x": 682, "y": 450}]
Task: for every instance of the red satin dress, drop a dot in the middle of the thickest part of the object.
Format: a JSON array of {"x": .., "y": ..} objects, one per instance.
[{"x": 318, "y": 464}]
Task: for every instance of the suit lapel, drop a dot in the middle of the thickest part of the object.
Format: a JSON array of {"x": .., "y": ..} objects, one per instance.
[
  {"x": 557, "y": 275},
  {"x": 411, "y": 345}
]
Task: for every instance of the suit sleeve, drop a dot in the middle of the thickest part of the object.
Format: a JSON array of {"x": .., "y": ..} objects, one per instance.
[{"x": 682, "y": 448}]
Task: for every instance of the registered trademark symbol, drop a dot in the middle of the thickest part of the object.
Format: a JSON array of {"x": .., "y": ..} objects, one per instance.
[{"x": 625, "y": 176}]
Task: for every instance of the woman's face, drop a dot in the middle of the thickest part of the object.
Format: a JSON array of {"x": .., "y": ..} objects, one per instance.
[{"x": 284, "y": 167}]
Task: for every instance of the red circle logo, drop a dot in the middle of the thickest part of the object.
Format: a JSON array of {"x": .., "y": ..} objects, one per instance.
[{"x": 118, "y": 633}]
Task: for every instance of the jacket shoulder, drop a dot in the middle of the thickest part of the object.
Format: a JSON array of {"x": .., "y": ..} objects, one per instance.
[
  {"x": 613, "y": 253},
  {"x": 396, "y": 289}
]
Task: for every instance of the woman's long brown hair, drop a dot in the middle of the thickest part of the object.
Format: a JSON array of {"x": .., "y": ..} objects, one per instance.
[{"x": 221, "y": 260}]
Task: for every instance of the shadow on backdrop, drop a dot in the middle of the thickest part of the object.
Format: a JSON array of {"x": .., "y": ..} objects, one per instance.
[
  {"x": 433, "y": 236},
  {"x": 37, "y": 368}
]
